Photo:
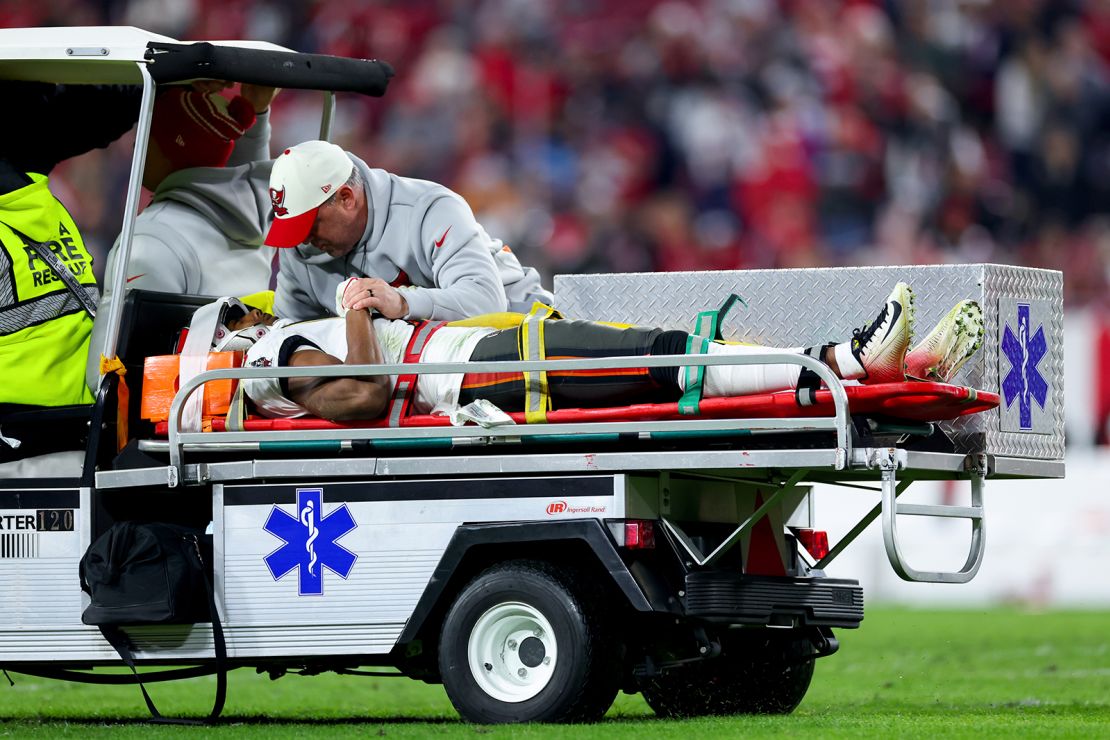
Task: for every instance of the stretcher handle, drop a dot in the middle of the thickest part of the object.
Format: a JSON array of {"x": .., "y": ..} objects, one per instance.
[{"x": 836, "y": 387}]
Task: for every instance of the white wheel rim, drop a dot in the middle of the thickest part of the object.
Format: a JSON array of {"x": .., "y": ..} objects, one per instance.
[{"x": 512, "y": 652}]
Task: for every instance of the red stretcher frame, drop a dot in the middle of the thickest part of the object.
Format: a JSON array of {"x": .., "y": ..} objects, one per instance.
[{"x": 912, "y": 401}]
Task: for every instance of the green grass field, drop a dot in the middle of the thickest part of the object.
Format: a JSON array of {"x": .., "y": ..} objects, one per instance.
[{"x": 905, "y": 673}]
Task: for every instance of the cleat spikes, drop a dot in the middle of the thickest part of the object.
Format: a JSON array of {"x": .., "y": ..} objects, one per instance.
[{"x": 951, "y": 343}]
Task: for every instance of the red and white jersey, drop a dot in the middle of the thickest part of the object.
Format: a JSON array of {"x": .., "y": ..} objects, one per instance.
[{"x": 434, "y": 393}]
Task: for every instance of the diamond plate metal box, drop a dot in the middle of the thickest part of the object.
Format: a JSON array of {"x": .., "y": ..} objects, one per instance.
[{"x": 1022, "y": 355}]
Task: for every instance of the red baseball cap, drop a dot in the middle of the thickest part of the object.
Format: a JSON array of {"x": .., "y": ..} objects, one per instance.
[
  {"x": 303, "y": 178},
  {"x": 195, "y": 129}
]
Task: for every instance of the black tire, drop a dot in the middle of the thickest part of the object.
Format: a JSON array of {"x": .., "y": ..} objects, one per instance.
[
  {"x": 765, "y": 675},
  {"x": 581, "y": 677}
]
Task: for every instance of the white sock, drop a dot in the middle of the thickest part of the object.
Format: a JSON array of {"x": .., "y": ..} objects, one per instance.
[
  {"x": 743, "y": 380},
  {"x": 850, "y": 368}
]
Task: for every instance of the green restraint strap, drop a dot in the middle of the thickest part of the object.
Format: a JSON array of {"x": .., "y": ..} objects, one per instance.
[{"x": 707, "y": 327}]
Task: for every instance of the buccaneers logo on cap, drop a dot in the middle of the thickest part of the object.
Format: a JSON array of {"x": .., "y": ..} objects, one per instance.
[{"x": 277, "y": 197}]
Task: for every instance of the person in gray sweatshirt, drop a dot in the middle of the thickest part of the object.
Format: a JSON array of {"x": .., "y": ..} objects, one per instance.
[
  {"x": 208, "y": 165},
  {"x": 414, "y": 247}
]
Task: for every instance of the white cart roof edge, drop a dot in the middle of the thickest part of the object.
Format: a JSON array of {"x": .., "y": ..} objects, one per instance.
[{"x": 129, "y": 55}]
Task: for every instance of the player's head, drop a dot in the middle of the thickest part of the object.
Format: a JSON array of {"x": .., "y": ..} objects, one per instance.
[
  {"x": 318, "y": 198},
  {"x": 190, "y": 128},
  {"x": 240, "y": 326}
]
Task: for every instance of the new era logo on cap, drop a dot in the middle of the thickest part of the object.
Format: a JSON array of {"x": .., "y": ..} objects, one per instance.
[{"x": 302, "y": 179}]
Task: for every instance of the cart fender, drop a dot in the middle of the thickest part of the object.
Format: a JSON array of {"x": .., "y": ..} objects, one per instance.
[{"x": 468, "y": 536}]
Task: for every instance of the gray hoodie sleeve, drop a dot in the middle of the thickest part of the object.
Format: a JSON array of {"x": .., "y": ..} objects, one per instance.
[
  {"x": 254, "y": 145},
  {"x": 156, "y": 265},
  {"x": 524, "y": 290},
  {"x": 457, "y": 248}
]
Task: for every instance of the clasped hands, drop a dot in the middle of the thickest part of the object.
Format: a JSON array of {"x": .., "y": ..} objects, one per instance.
[{"x": 372, "y": 294}]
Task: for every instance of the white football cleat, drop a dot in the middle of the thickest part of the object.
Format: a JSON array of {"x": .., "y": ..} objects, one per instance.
[
  {"x": 951, "y": 343},
  {"x": 877, "y": 352}
]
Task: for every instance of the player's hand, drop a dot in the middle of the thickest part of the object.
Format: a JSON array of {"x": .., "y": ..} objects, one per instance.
[
  {"x": 375, "y": 294},
  {"x": 258, "y": 96}
]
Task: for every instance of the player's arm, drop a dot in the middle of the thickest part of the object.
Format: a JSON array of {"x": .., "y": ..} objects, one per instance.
[
  {"x": 341, "y": 399},
  {"x": 254, "y": 144}
]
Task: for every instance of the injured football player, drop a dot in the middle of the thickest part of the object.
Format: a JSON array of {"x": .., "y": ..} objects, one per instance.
[{"x": 879, "y": 352}]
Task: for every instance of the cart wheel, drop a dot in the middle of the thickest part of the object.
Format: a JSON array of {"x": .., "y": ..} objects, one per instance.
[
  {"x": 524, "y": 643},
  {"x": 764, "y": 676}
]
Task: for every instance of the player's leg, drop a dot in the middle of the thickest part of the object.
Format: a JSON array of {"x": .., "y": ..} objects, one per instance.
[
  {"x": 876, "y": 353},
  {"x": 573, "y": 339}
]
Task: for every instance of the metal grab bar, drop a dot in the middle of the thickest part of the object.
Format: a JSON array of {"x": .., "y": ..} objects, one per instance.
[
  {"x": 130, "y": 211},
  {"x": 838, "y": 422},
  {"x": 974, "y": 513}
]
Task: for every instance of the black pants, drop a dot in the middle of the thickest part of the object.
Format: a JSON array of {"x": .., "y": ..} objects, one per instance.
[{"x": 566, "y": 339}]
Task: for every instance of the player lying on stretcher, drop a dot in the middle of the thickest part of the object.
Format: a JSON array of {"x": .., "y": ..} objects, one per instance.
[{"x": 877, "y": 353}]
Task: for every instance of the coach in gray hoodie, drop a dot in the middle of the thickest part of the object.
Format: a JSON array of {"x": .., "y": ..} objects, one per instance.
[{"x": 414, "y": 246}]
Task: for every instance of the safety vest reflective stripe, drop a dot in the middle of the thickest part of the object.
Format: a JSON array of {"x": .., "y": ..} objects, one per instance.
[{"x": 40, "y": 310}]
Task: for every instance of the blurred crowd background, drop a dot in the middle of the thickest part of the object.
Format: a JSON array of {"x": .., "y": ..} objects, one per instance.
[{"x": 624, "y": 135}]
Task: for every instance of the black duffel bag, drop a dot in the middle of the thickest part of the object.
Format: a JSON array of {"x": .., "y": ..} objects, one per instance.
[
  {"x": 144, "y": 573},
  {"x": 147, "y": 573}
]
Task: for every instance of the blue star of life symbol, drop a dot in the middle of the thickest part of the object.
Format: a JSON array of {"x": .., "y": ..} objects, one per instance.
[
  {"x": 310, "y": 541},
  {"x": 1024, "y": 382}
]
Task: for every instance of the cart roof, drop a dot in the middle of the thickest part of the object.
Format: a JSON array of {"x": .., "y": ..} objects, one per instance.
[{"x": 87, "y": 54}]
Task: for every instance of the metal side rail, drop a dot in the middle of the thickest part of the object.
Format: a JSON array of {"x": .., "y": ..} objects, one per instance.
[
  {"x": 179, "y": 438},
  {"x": 889, "y": 460}
]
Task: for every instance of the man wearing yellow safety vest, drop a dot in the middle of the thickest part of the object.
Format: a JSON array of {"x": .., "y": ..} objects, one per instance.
[
  {"x": 44, "y": 323},
  {"x": 44, "y": 328}
]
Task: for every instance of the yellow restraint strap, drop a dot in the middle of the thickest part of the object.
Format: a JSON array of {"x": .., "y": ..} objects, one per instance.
[
  {"x": 123, "y": 397},
  {"x": 537, "y": 401}
]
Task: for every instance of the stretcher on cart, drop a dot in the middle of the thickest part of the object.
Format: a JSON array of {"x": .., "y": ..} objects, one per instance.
[
  {"x": 867, "y": 429},
  {"x": 920, "y": 401},
  {"x": 684, "y": 549}
]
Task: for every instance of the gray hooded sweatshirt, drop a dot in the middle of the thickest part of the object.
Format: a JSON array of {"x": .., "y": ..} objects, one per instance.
[
  {"x": 201, "y": 234},
  {"x": 203, "y": 230},
  {"x": 423, "y": 239}
]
